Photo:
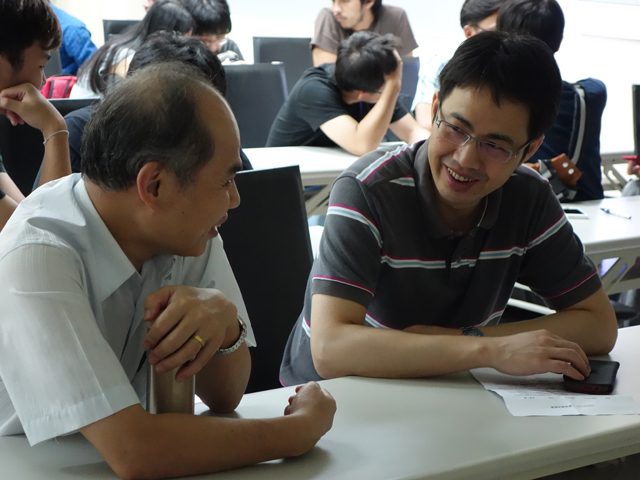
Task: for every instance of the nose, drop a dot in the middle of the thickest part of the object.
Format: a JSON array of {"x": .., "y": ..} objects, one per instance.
[
  {"x": 234, "y": 196},
  {"x": 467, "y": 155},
  {"x": 335, "y": 8},
  {"x": 43, "y": 80}
]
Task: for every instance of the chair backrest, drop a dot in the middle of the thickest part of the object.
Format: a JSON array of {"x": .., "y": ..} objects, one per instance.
[
  {"x": 115, "y": 27},
  {"x": 410, "y": 75},
  {"x": 267, "y": 242},
  {"x": 22, "y": 149},
  {"x": 22, "y": 153},
  {"x": 635, "y": 91},
  {"x": 255, "y": 94},
  {"x": 54, "y": 65},
  {"x": 68, "y": 105},
  {"x": 293, "y": 52}
]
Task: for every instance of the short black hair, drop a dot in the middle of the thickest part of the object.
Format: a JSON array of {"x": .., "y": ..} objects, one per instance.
[
  {"x": 212, "y": 17},
  {"x": 23, "y": 23},
  {"x": 375, "y": 8},
  {"x": 168, "y": 46},
  {"x": 474, "y": 11},
  {"x": 541, "y": 18},
  {"x": 519, "y": 68},
  {"x": 363, "y": 60},
  {"x": 151, "y": 116}
]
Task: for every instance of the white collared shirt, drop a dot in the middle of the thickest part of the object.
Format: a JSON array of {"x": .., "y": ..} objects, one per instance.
[{"x": 71, "y": 308}]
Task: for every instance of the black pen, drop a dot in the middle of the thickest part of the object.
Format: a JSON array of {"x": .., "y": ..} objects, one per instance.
[{"x": 606, "y": 210}]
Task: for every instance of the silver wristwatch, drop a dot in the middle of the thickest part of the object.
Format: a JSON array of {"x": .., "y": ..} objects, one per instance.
[{"x": 240, "y": 341}]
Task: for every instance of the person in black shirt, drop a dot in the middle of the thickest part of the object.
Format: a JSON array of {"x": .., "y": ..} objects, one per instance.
[{"x": 351, "y": 104}]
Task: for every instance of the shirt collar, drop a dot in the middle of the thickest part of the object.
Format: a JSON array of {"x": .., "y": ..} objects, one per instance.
[
  {"x": 113, "y": 268},
  {"x": 426, "y": 196}
]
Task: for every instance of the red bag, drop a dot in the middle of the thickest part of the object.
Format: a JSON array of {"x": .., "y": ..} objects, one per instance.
[{"x": 58, "y": 86}]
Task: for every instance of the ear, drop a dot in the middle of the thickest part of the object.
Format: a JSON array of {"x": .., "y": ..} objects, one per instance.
[
  {"x": 151, "y": 183},
  {"x": 369, "y": 4},
  {"x": 468, "y": 31},
  {"x": 435, "y": 103},
  {"x": 533, "y": 147}
]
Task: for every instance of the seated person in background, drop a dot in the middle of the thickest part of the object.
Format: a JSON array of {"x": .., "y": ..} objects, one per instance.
[
  {"x": 76, "y": 47},
  {"x": 87, "y": 261},
  {"x": 213, "y": 24},
  {"x": 475, "y": 16},
  {"x": 351, "y": 103},
  {"x": 347, "y": 16},
  {"x": 160, "y": 47},
  {"x": 29, "y": 31},
  {"x": 423, "y": 244},
  {"x": 586, "y": 98},
  {"x": 111, "y": 62}
]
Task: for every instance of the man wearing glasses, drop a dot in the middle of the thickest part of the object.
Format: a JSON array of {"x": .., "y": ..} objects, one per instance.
[{"x": 425, "y": 242}]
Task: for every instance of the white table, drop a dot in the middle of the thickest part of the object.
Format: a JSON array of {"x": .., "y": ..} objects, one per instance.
[
  {"x": 607, "y": 237},
  {"x": 319, "y": 166},
  {"x": 442, "y": 428}
]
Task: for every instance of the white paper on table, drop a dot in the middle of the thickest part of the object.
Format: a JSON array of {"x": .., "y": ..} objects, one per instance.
[{"x": 544, "y": 395}]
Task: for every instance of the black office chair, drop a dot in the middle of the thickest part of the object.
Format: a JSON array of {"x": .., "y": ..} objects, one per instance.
[
  {"x": 255, "y": 94},
  {"x": 54, "y": 65},
  {"x": 22, "y": 149},
  {"x": 267, "y": 242},
  {"x": 410, "y": 76},
  {"x": 22, "y": 153},
  {"x": 115, "y": 27},
  {"x": 293, "y": 52},
  {"x": 68, "y": 105}
]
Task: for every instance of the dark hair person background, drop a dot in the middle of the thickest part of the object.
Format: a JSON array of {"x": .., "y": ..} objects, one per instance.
[
  {"x": 213, "y": 24},
  {"x": 544, "y": 20},
  {"x": 111, "y": 61},
  {"x": 159, "y": 47},
  {"x": 29, "y": 30}
]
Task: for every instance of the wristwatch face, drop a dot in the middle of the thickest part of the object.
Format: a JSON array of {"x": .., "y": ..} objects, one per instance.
[{"x": 472, "y": 332}]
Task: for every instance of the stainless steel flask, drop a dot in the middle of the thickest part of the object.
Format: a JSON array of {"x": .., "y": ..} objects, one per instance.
[{"x": 166, "y": 395}]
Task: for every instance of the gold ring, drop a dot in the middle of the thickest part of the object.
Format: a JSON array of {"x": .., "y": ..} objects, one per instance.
[{"x": 199, "y": 339}]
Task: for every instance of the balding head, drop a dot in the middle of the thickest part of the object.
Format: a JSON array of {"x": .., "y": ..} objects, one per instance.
[{"x": 153, "y": 115}]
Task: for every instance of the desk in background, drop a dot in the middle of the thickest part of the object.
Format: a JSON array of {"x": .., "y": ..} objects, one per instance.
[
  {"x": 608, "y": 236},
  {"x": 447, "y": 427},
  {"x": 319, "y": 166}
]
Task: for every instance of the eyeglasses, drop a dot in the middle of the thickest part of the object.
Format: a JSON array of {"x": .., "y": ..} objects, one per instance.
[{"x": 488, "y": 150}]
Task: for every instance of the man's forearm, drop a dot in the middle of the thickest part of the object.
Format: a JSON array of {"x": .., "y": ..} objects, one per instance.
[
  {"x": 373, "y": 352},
  {"x": 56, "y": 163},
  {"x": 373, "y": 127},
  {"x": 593, "y": 325},
  {"x": 139, "y": 445},
  {"x": 222, "y": 382}
]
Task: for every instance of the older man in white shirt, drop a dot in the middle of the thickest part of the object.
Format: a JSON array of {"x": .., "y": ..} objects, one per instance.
[{"x": 88, "y": 261}]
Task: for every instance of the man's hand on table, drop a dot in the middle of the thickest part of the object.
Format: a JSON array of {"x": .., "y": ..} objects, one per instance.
[
  {"x": 316, "y": 406},
  {"x": 178, "y": 313},
  {"x": 527, "y": 353}
]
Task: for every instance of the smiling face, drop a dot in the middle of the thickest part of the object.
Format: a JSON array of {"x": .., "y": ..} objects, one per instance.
[
  {"x": 32, "y": 70},
  {"x": 194, "y": 213},
  {"x": 463, "y": 177},
  {"x": 352, "y": 14}
]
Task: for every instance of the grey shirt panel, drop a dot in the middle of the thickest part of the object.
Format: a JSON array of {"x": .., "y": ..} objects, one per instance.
[
  {"x": 386, "y": 247},
  {"x": 328, "y": 34}
]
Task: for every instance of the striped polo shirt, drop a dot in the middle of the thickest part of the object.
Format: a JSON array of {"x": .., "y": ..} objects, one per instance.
[{"x": 386, "y": 247}]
